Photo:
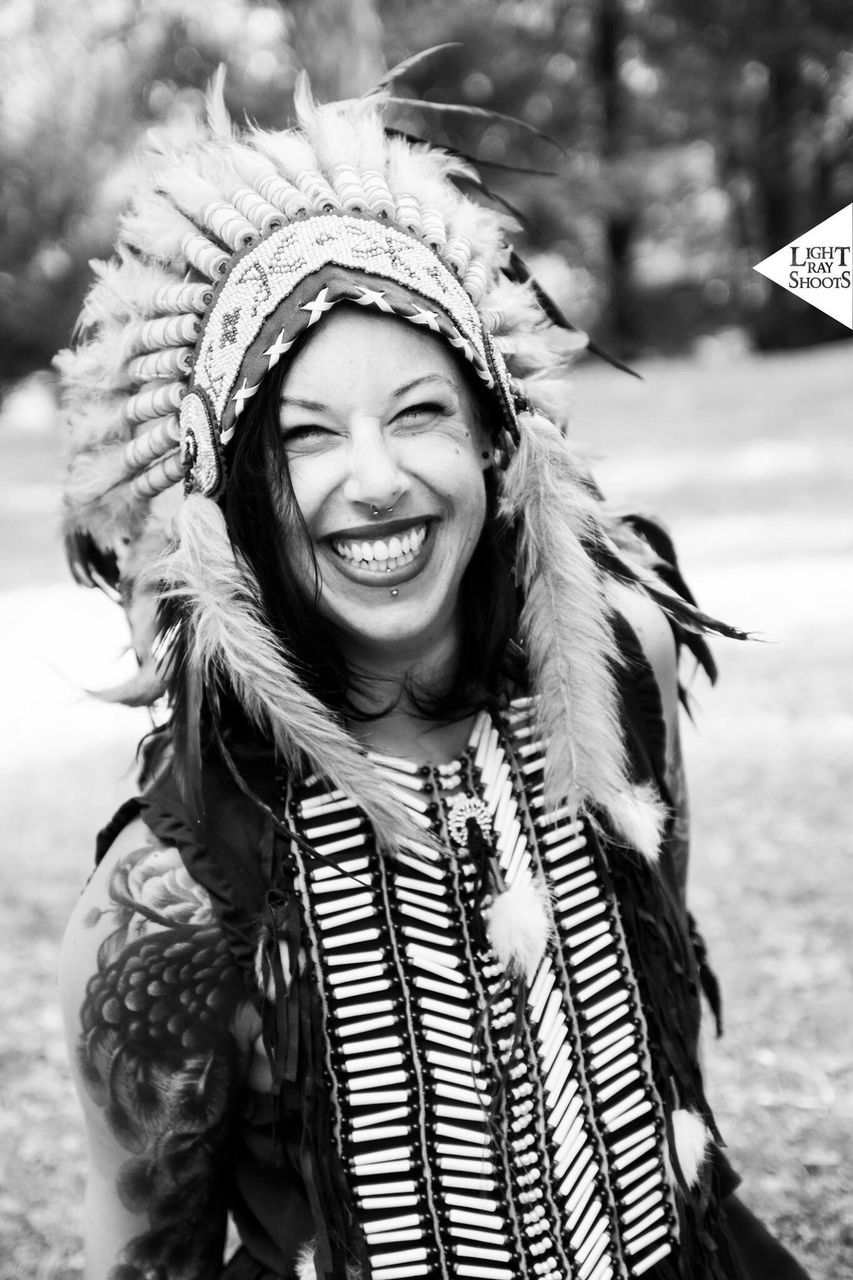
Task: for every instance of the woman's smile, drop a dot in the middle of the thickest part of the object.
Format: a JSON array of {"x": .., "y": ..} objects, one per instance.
[{"x": 384, "y": 555}]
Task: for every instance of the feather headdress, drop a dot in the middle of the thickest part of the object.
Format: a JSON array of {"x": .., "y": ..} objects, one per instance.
[{"x": 235, "y": 243}]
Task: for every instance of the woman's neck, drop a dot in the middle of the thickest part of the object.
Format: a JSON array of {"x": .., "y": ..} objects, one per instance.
[
  {"x": 411, "y": 736},
  {"x": 392, "y": 687}
]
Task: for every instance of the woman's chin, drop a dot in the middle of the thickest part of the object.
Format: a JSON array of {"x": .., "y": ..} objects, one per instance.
[
  {"x": 404, "y": 616},
  {"x": 398, "y": 631},
  {"x": 400, "y": 613}
]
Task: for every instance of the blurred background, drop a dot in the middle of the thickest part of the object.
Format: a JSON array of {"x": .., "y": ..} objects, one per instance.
[{"x": 691, "y": 139}]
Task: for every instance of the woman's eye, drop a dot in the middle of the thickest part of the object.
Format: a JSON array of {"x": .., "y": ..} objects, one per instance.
[
  {"x": 421, "y": 413},
  {"x": 309, "y": 434}
]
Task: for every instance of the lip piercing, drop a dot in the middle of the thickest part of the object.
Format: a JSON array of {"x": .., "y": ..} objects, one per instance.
[
  {"x": 378, "y": 511},
  {"x": 394, "y": 591}
]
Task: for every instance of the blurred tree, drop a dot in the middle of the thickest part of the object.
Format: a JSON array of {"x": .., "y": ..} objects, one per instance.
[
  {"x": 782, "y": 124},
  {"x": 630, "y": 185},
  {"x": 698, "y": 136},
  {"x": 622, "y": 209},
  {"x": 526, "y": 59},
  {"x": 55, "y": 143},
  {"x": 80, "y": 82}
]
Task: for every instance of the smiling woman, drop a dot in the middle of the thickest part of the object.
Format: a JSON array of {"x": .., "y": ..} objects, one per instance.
[{"x": 389, "y": 959}]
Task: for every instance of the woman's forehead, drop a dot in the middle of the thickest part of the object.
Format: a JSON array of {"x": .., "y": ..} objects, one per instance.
[{"x": 354, "y": 351}]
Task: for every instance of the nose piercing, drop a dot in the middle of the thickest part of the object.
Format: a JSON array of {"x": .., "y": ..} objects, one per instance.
[{"x": 378, "y": 511}]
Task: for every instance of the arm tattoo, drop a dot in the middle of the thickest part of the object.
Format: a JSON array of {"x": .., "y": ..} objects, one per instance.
[{"x": 158, "y": 1056}]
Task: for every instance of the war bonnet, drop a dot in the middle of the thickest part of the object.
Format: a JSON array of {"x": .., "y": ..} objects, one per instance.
[{"x": 236, "y": 242}]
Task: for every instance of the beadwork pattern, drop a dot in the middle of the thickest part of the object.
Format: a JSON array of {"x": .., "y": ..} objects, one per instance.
[
  {"x": 199, "y": 446},
  {"x": 269, "y": 272},
  {"x": 557, "y": 1174}
]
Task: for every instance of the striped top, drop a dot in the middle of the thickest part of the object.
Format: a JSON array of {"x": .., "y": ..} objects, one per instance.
[{"x": 485, "y": 1136}]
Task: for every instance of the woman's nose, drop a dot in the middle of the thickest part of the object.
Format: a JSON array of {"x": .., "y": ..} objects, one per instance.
[{"x": 374, "y": 477}]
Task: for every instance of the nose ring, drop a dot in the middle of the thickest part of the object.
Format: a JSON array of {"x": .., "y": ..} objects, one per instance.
[{"x": 378, "y": 511}]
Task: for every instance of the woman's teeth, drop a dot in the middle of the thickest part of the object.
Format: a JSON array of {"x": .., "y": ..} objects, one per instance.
[{"x": 383, "y": 554}]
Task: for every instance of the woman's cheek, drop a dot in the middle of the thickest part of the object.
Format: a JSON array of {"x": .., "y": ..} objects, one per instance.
[
  {"x": 442, "y": 459},
  {"x": 311, "y": 480}
]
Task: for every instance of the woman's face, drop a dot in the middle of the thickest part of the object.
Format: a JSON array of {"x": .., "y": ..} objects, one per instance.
[{"x": 376, "y": 416}]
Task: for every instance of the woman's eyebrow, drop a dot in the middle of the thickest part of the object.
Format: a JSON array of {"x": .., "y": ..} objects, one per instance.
[
  {"x": 315, "y": 406},
  {"x": 417, "y": 382}
]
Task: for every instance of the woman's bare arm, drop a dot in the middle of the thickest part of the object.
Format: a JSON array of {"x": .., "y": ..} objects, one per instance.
[{"x": 151, "y": 1002}]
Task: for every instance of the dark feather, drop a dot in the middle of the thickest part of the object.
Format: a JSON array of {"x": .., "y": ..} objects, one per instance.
[
  {"x": 686, "y": 614},
  {"x": 514, "y": 168},
  {"x": 668, "y": 570},
  {"x": 408, "y": 64},
  {"x": 654, "y": 533},
  {"x": 594, "y": 349},
  {"x": 468, "y": 183},
  {"x": 171, "y": 652},
  {"x": 482, "y": 190},
  {"x": 481, "y": 162},
  {"x": 474, "y": 113},
  {"x": 521, "y": 272},
  {"x": 90, "y": 565}
]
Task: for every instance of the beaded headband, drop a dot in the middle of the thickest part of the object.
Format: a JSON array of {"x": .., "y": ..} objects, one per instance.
[{"x": 278, "y": 290}]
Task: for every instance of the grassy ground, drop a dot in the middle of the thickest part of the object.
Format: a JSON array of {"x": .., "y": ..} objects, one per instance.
[{"x": 751, "y": 463}]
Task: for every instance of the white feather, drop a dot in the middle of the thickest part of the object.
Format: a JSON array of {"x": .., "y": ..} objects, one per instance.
[
  {"x": 520, "y": 925},
  {"x": 567, "y": 627},
  {"x": 639, "y": 815},
  {"x": 220, "y": 123},
  {"x": 473, "y": 223},
  {"x": 156, "y": 229},
  {"x": 545, "y": 348},
  {"x": 420, "y": 172},
  {"x": 517, "y": 304},
  {"x": 191, "y": 192},
  {"x": 291, "y": 153},
  {"x": 550, "y": 396},
  {"x": 692, "y": 1141},
  {"x": 566, "y": 619}
]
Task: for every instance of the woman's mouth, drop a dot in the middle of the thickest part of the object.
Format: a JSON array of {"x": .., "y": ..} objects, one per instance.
[{"x": 381, "y": 556}]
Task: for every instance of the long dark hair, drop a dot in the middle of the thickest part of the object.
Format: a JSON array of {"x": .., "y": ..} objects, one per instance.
[{"x": 258, "y": 500}]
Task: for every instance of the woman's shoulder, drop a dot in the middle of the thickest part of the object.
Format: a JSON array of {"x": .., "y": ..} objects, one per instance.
[
  {"x": 145, "y": 967},
  {"x": 140, "y": 883}
]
